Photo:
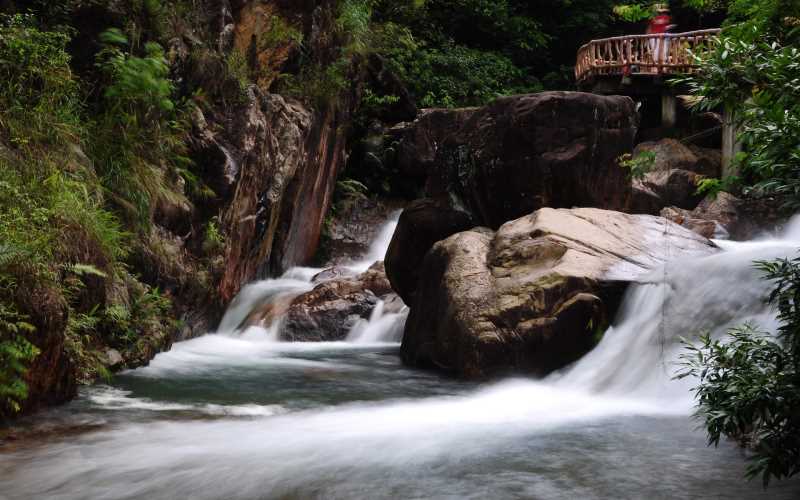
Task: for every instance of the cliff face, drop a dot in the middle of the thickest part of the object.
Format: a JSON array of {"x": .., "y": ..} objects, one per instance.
[
  {"x": 270, "y": 152},
  {"x": 280, "y": 157}
]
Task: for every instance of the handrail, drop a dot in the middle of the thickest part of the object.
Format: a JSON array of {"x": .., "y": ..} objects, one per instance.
[{"x": 667, "y": 53}]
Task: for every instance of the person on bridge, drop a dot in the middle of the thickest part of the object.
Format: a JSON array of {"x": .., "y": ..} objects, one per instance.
[{"x": 660, "y": 24}]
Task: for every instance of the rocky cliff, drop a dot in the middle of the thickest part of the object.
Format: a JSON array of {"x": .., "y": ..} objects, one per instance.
[{"x": 267, "y": 138}]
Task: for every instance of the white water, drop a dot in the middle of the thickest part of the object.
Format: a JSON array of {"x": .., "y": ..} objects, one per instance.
[
  {"x": 575, "y": 434},
  {"x": 298, "y": 280},
  {"x": 380, "y": 327}
]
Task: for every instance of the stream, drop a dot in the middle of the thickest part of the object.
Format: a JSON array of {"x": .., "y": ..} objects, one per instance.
[{"x": 239, "y": 415}]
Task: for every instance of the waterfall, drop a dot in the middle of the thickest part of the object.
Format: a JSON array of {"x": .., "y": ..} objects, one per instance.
[
  {"x": 637, "y": 356},
  {"x": 379, "y": 328},
  {"x": 237, "y": 416}
]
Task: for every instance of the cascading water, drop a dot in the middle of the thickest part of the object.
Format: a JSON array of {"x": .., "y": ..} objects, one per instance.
[
  {"x": 380, "y": 327},
  {"x": 226, "y": 416}
]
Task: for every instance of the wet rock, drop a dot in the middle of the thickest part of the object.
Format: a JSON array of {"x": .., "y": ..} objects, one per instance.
[
  {"x": 552, "y": 149},
  {"x": 328, "y": 312},
  {"x": 726, "y": 216},
  {"x": 334, "y": 307},
  {"x": 49, "y": 376},
  {"x": 421, "y": 225},
  {"x": 332, "y": 273},
  {"x": 272, "y": 147},
  {"x": 532, "y": 296},
  {"x": 354, "y": 226},
  {"x": 674, "y": 175}
]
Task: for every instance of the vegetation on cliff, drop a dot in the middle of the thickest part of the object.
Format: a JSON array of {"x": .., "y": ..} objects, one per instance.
[{"x": 85, "y": 157}]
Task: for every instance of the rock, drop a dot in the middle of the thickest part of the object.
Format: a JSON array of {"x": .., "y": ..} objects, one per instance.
[
  {"x": 331, "y": 309},
  {"x": 552, "y": 149},
  {"x": 663, "y": 188},
  {"x": 113, "y": 359},
  {"x": 393, "y": 304},
  {"x": 532, "y": 296},
  {"x": 213, "y": 155},
  {"x": 332, "y": 273},
  {"x": 671, "y": 154},
  {"x": 417, "y": 142},
  {"x": 334, "y": 307},
  {"x": 354, "y": 226},
  {"x": 328, "y": 312},
  {"x": 704, "y": 227},
  {"x": 272, "y": 146},
  {"x": 421, "y": 225},
  {"x": 49, "y": 376},
  {"x": 674, "y": 175},
  {"x": 725, "y": 216}
]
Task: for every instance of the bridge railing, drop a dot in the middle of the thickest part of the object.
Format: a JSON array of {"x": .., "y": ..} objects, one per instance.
[{"x": 649, "y": 54}]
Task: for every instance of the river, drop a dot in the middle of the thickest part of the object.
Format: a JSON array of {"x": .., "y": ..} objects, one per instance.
[{"x": 239, "y": 415}]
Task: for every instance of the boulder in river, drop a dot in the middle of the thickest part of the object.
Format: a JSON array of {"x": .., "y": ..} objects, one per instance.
[
  {"x": 533, "y": 296},
  {"x": 422, "y": 223},
  {"x": 329, "y": 311},
  {"x": 525, "y": 152}
]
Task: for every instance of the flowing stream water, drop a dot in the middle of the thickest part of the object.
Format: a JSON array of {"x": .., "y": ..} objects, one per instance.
[{"x": 239, "y": 415}]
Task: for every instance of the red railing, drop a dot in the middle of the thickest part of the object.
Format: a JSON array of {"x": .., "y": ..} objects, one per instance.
[{"x": 649, "y": 54}]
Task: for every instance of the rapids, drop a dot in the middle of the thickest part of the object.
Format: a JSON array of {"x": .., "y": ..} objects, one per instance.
[{"x": 239, "y": 415}]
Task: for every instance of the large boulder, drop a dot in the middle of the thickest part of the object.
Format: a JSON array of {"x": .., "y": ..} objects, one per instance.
[
  {"x": 673, "y": 177},
  {"x": 552, "y": 149},
  {"x": 416, "y": 143},
  {"x": 533, "y": 296},
  {"x": 422, "y": 223}
]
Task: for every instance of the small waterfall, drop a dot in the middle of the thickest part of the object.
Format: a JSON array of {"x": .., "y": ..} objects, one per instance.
[
  {"x": 378, "y": 248},
  {"x": 380, "y": 327},
  {"x": 294, "y": 282},
  {"x": 638, "y": 354}
]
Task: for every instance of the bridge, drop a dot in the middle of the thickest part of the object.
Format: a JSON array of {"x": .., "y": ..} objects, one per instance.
[
  {"x": 640, "y": 65},
  {"x": 641, "y": 55}
]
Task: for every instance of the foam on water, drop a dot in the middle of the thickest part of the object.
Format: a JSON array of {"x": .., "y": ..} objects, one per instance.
[{"x": 311, "y": 452}]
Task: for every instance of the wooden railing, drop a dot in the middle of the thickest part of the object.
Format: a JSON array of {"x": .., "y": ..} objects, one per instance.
[{"x": 648, "y": 54}]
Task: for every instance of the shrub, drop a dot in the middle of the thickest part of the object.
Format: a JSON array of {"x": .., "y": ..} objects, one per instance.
[{"x": 749, "y": 384}]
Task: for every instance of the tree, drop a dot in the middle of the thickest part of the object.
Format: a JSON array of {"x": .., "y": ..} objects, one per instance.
[{"x": 754, "y": 71}]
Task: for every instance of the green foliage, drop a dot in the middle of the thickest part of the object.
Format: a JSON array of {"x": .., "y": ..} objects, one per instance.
[
  {"x": 38, "y": 95},
  {"x": 749, "y": 384},
  {"x": 214, "y": 240},
  {"x": 712, "y": 187},
  {"x": 634, "y": 12},
  {"x": 15, "y": 354},
  {"x": 139, "y": 144},
  {"x": 638, "y": 166},
  {"x": 754, "y": 72},
  {"x": 280, "y": 33},
  {"x": 429, "y": 46},
  {"x": 236, "y": 64},
  {"x": 56, "y": 231}
]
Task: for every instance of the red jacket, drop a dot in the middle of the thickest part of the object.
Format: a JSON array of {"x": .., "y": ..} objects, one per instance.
[{"x": 659, "y": 24}]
